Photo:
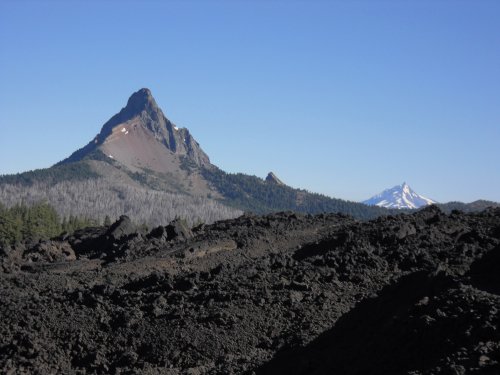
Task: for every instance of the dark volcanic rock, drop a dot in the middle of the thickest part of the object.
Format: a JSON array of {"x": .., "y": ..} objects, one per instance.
[
  {"x": 282, "y": 294},
  {"x": 121, "y": 228},
  {"x": 178, "y": 229},
  {"x": 50, "y": 251}
]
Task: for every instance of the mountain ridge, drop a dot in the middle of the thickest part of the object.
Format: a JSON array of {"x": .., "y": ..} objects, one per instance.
[{"x": 139, "y": 154}]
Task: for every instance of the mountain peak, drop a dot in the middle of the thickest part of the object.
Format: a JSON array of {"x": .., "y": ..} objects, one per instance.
[
  {"x": 144, "y": 91},
  {"x": 142, "y": 137},
  {"x": 399, "y": 196},
  {"x": 139, "y": 101},
  {"x": 273, "y": 179}
]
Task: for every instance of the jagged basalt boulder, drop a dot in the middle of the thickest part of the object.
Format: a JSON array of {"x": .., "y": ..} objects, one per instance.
[
  {"x": 88, "y": 242},
  {"x": 50, "y": 251},
  {"x": 122, "y": 228},
  {"x": 176, "y": 230}
]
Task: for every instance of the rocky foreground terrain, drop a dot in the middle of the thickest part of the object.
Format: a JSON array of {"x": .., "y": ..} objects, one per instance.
[{"x": 277, "y": 294}]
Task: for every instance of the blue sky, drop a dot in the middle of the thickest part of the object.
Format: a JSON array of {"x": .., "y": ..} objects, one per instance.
[{"x": 344, "y": 98}]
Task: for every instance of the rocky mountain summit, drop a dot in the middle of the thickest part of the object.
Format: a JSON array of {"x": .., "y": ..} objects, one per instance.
[
  {"x": 140, "y": 136},
  {"x": 271, "y": 178},
  {"x": 284, "y": 293}
]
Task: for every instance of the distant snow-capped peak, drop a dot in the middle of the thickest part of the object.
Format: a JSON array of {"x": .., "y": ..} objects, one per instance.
[{"x": 400, "y": 196}]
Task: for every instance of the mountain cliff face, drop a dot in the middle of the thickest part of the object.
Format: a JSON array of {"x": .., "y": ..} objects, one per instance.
[
  {"x": 398, "y": 197},
  {"x": 140, "y": 136}
]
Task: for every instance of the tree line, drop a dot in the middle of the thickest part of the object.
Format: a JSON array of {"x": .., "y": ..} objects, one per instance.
[{"x": 36, "y": 222}]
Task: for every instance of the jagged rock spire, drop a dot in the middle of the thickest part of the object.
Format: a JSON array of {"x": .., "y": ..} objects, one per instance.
[
  {"x": 143, "y": 110},
  {"x": 273, "y": 179}
]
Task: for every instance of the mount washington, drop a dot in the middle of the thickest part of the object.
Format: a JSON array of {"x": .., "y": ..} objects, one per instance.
[{"x": 142, "y": 165}]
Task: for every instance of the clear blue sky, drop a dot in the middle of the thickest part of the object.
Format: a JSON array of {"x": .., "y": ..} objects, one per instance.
[{"x": 345, "y": 98}]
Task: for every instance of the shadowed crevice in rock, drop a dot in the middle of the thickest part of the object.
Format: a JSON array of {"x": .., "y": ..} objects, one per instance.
[
  {"x": 485, "y": 272},
  {"x": 372, "y": 336}
]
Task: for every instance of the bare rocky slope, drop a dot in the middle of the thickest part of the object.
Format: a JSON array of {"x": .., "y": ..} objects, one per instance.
[{"x": 279, "y": 294}]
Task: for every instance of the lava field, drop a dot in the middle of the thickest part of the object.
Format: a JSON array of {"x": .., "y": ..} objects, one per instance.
[{"x": 278, "y": 294}]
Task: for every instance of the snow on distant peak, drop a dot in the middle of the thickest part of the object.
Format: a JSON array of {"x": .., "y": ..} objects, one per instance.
[{"x": 400, "y": 196}]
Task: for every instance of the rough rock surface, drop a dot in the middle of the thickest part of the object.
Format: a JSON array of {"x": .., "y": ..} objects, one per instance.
[{"x": 278, "y": 294}]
